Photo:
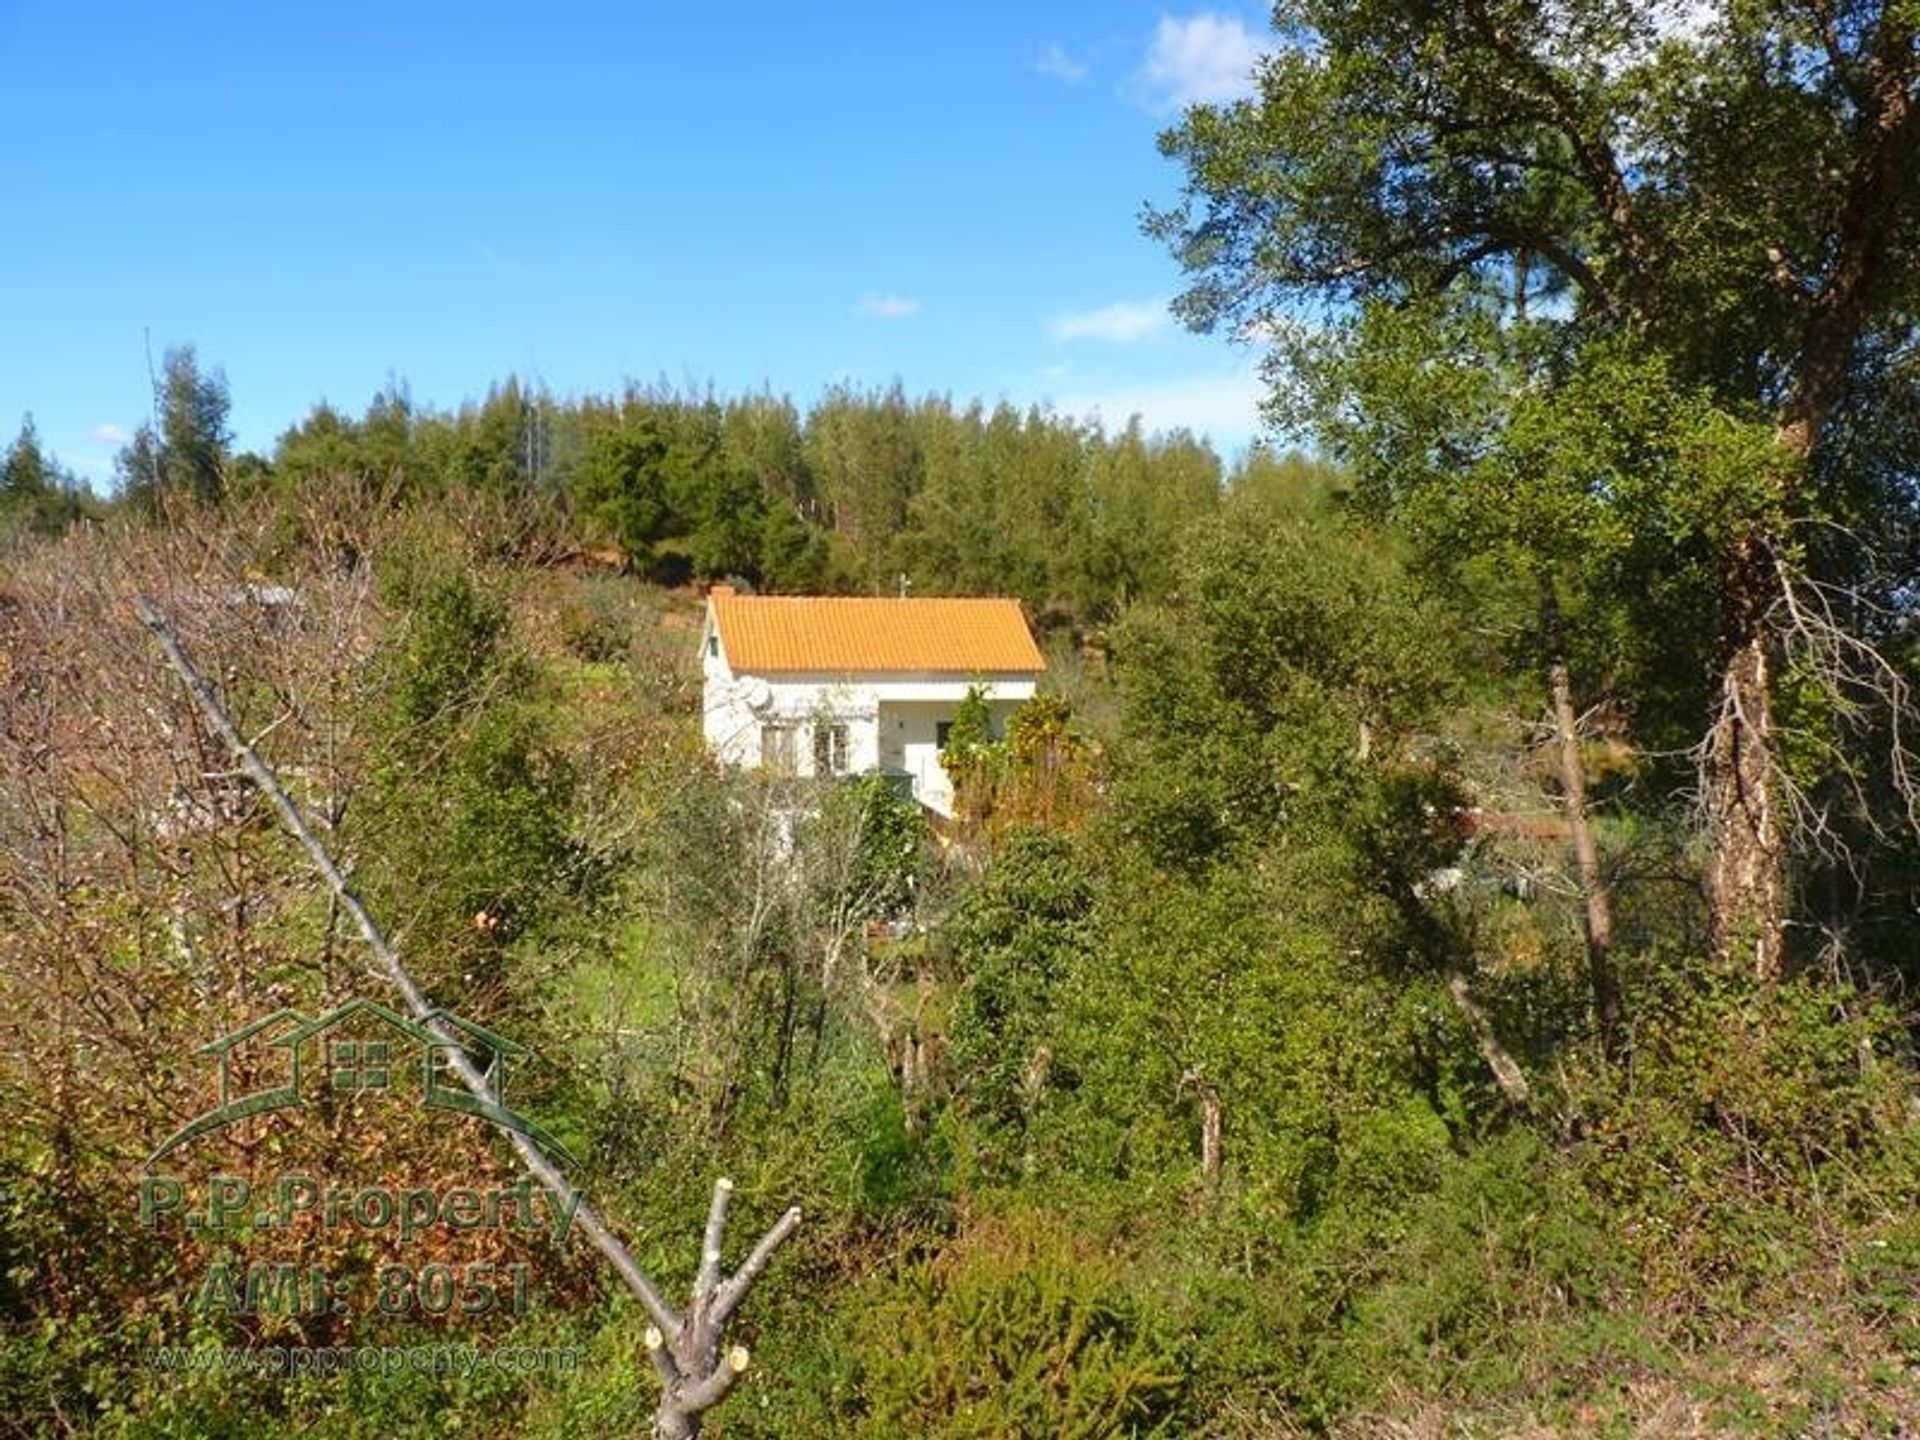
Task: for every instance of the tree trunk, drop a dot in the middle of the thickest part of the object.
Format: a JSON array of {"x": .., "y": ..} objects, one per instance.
[
  {"x": 1597, "y": 912},
  {"x": 1210, "y": 1123},
  {"x": 1746, "y": 871},
  {"x": 1507, "y": 1073},
  {"x": 685, "y": 1350},
  {"x": 1746, "y": 862},
  {"x": 695, "y": 1374}
]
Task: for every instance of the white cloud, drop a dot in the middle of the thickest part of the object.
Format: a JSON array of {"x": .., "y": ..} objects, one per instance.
[
  {"x": 1058, "y": 63},
  {"x": 1120, "y": 323},
  {"x": 1205, "y": 59},
  {"x": 1224, "y": 407},
  {"x": 110, "y": 434},
  {"x": 886, "y": 307}
]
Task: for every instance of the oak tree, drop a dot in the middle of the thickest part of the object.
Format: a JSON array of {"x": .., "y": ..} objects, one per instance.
[{"x": 1728, "y": 189}]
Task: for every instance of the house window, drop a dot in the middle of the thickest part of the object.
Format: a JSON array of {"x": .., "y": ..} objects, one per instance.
[
  {"x": 829, "y": 749},
  {"x": 713, "y": 645},
  {"x": 776, "y": 748},
  {"x": 941, "y": 730},
  {"x": 361, "y": 1065}
]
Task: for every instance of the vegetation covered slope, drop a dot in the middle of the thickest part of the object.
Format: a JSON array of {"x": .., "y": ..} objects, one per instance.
[
  {"x": 1237, "y": 1070},
  {"x": 1438, "y": 960}
]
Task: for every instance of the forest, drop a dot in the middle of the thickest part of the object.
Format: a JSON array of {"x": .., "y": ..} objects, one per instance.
[{"x": 1436, "y": 958}]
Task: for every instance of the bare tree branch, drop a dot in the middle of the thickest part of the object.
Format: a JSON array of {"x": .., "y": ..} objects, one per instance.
[
  {"x": 728, "y": 1297},
  {"x": 1507, "y": 1073},
  {"x": 692, "y": 1376}
]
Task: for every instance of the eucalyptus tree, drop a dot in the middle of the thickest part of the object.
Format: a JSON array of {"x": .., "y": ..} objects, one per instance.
[
  {"x": 185, "y": 451},
  {"x": 866, "y": 463},
  {"x": 1726, "y": 191}
]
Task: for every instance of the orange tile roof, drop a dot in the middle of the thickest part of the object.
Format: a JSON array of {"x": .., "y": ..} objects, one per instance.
[{"x": 838, "y": 635}]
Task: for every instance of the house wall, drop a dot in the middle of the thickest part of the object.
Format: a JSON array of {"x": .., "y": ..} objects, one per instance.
[
  {"x": 730, "y": 728},
  {"x": 910, "y": 741},
  {"x": 891, "y": 718}
]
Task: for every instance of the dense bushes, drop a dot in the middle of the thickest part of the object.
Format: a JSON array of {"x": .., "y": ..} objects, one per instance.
[
  {"x": 1155, "y": 1112},
  {"x": 1018, "y": 1326}
]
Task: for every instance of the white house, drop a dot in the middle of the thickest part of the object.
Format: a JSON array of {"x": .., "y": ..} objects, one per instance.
[{"x": 826, "y": 685}]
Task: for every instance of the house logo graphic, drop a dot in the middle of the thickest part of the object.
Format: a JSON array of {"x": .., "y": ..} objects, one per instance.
[{"x": 363, "y": 1048}]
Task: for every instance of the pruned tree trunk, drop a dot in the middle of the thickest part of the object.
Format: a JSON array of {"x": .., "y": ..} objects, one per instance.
[
  {"x": 685, "y": 1350},
  {"x": 1597, "y": 902},
  {"x": 694, "y": 1374}
]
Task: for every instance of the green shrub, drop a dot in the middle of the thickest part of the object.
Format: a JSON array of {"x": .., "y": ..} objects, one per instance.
[
  {"x": 1753, "y": 1118},
  {"x": 1023, "y": 1325},
  {"x": 596, "y": 621}
]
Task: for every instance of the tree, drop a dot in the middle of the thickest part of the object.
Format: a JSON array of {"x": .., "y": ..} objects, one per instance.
[
  {"x": 1015, "y": 935},
  {"x": 378, "y": 448},
  {"x": 622, "y": 489},
  {"x": 1042, "y": 774},
  {"x": 695, "y": 1372},
  {"x": 189, "y": 454},
  {"x": 33, "y": 487},
  {"x": 1565, "y": 513},
  {"x": 718, "y": 498},
  {"x": 864, "y": 456},
  {"x": 1737, "y": 198},
  {"x": 1283, "y": 715},
  {"x": 25, "y": 475},
  {"x": 867, "y": 846},
  {"x": 325, "y": 443},
  {"x": 1141, "y": 493}
]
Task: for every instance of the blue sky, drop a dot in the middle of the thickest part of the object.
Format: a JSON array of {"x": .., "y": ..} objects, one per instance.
[{"x": 321, "y": 197}]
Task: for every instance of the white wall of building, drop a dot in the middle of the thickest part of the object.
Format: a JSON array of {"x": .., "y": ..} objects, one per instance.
[{"x": 891, "y": 719}]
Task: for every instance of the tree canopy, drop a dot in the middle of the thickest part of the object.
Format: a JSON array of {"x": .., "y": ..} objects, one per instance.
[
  {"x": 1723, "y": 198},
  {"x": 188, "y": 454}
]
